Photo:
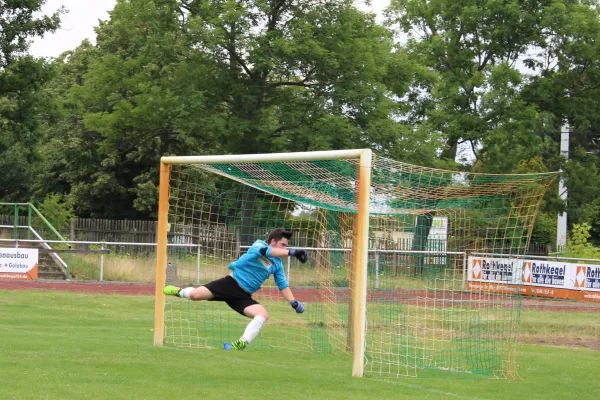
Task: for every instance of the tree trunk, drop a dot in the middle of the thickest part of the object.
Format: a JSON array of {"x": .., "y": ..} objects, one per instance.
[
  {"x": 449, "y": 153},
  {"x": 419, "y": 243}
]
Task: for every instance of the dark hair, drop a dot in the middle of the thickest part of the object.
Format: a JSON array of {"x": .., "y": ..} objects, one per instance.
[{"x": 278, "y": 234}]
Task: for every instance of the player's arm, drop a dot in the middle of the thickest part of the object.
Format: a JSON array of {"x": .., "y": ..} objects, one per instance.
[
  {"x": 288, "y": 295},
  {"x": 284, "y": 287},
  {"x": 275, "y": 252},
  {"x": 300, "y": 254}
]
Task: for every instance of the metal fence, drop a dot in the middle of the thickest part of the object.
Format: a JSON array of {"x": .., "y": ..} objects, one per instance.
[
  {"x": 216, "y": 236},
  {"x": 97, "y": 253}
]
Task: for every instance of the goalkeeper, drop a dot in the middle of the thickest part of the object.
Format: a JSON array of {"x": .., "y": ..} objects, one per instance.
[{"x": 249, "y": 272}]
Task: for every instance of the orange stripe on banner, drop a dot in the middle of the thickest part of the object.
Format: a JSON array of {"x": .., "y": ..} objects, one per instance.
[
  {"x": 33, "y": 273},
  {"x": 535, "y": 291}
]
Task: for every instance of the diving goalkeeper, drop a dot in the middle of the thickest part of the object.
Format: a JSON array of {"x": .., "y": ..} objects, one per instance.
[{"x": 249, "y": 272}]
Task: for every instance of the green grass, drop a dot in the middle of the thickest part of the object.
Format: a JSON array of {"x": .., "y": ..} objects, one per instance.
[
  {"x": 561, "y": 328},
  {"x": 59, "y": 345}
]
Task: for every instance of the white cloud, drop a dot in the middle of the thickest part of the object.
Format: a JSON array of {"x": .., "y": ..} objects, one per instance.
[
  {"x": 376, "y": 6},
  {"x": 77, "y": 25}
]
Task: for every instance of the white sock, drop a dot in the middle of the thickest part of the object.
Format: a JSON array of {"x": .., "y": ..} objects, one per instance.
[
  {"x": 186, "y": 292},
  {"x": 253, "y": 328}
]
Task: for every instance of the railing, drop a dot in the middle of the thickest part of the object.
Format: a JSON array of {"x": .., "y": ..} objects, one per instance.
[
  {"x": 33, "y": 215},
  {"x": 377, "y": 252},
  {"x": 555, "y": 257},
  {"x": 31, "y": 211},
  {"x": 103, "y": 250},
  {"x": 197, "y": 251}
]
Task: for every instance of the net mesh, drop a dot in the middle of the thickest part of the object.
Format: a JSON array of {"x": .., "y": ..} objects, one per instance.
[{"x": 421, "y": 320}]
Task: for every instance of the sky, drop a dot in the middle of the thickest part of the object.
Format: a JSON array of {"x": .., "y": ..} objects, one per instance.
[
  {"x": 77, "y": 25},
  {"x": 83, "y": 16}
]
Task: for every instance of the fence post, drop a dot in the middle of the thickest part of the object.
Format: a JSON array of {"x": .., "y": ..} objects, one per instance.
[
  {"x": 376, "y": 269},
  {"x": 69, "y": 263},
  {"x": 29, "y": 222},
  {"x": 464, "y": 270},
  {"x": 102, "y": 262},
  {"x": 16, "y": 222},
  {"x": 72, "y": 230},
  {"x": 198, "y": 266},
  {"x": 238, "y": 247}
]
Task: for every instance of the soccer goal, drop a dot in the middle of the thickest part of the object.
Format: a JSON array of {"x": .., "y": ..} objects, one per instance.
[{"x": 385, "y": 285}]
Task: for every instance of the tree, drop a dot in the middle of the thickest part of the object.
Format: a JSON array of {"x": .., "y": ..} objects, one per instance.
[
  {"x": 506, "y": 75},
  {"x": 124, "y": 103},
  {"x": 197, "y": 77},
  {"x": 21, "y": 77},
  {"x": 583, "y": 204},
  {"x": 567, "y": 88},
  {"x": 473, "y": 47}
]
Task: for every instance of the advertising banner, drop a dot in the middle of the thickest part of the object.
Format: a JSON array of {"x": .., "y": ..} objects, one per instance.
[
  {"x": 577, "y": 281},
  {"x": 18, "y": 263}
]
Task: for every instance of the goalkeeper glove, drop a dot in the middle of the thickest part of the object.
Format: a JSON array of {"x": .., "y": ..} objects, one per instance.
[
  {"x": 301, "y": 255},
  {"x": 296, "y": 305}
]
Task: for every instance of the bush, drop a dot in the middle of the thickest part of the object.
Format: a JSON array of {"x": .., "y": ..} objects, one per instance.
[
  {"x": 57, "y": 211},
  {"x": 544, "y": 229},
  {"x": 578, "y": 245}
]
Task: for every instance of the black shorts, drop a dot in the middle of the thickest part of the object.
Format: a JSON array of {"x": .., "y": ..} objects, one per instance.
[{"x": 228, "y": 290}]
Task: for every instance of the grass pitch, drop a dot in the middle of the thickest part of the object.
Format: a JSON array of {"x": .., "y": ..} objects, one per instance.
[{"x": 58, "y": 345}]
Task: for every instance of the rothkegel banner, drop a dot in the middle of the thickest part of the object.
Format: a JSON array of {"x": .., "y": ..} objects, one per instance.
[
  {"x": 18, "y": 263},
  {"x": 577, "y": 281}
]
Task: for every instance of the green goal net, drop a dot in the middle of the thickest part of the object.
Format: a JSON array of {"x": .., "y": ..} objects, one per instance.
[{"x": 423, "y": 222}]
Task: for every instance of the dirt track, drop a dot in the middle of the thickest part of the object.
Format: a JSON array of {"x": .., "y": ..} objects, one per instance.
[{"x": 303, "y": 294}]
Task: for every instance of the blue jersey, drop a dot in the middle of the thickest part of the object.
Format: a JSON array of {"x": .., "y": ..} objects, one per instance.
[{"x": 252, "y": 269}]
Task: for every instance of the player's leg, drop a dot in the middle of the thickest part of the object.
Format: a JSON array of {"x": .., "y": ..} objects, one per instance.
[
  {"x": 196, "y": 294},
  {"x": 259, "y": 316},
  {"x": 199, "y": 293},
  {"x": 219, "y": 290},
  {"x": 256, "y": 310}
]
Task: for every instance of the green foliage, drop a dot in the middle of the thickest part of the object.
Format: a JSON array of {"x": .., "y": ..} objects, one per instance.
[
  {"x": 57, "y": 210},
  {"x": 84, "y": 269},
  {"x": 578, "y": 245},
  {"x": 545, "y": 225},
  {"x": 475, "y": 95},
  {"x": 582, "y": 177},
  {"x": 174, "y": 77},
  {"x": 544, "y": 229},
  {"x": 20, "y": 21},
  {"x": 473, "y": 98},
  {"x": 591, "y": 212},
  {"x": 566, "y": 88},
  {"x": 580, "y": 235},
  {"x": 21, "y": 77},
  {"x": 533, "y": 165},
  {"x": 229, "y": 77}
]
